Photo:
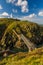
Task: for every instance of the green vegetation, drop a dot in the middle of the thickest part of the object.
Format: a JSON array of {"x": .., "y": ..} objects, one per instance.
[
  {"x": 9, "y": 40},
  {"x": 33, "y": 58}
]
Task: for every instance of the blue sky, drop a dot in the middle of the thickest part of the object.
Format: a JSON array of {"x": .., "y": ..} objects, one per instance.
[{"x": 31, "y": 10}]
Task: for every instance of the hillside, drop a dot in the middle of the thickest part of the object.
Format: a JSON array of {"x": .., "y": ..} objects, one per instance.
[
  {"x": 17, "y": 38},
  {"x": 33, "y": 58},
  {"x": 8, "y": 39}
]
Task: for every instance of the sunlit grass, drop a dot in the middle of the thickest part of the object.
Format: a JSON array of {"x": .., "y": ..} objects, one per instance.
[
  {"x": 29, "y": 30},
  {"x": 24, "y": 58}
]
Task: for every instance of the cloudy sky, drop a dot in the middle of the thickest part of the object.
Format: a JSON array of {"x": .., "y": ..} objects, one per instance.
[{"x": 31, "y": 10}]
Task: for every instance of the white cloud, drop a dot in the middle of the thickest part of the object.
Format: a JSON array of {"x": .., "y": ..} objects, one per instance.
[
  {"x": 19, "y": 3},
  {"x": 24, "y": 9},
  {"x": 1, "y": 7},
  {"x": 10, "y": 1},
  {"x": 29, "y": 16},
  {"x": 40, "y": 13},
  {"x": 32, "y": 15},
  {"x": 33, "y": 18},
  {"x": 23, "y": 4},
  {"x": 5, "y": 14},
  {"x": 15, "y": 11},
  {"x": 11, "y": 16}
]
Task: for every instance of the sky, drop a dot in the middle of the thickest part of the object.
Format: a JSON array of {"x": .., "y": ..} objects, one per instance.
[{"x": 31, "y": 10}]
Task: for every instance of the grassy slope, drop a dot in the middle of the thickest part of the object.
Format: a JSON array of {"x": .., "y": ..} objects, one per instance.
[
  {"x": 33, "y": 58},
  {"x": 22, "y": 58}
]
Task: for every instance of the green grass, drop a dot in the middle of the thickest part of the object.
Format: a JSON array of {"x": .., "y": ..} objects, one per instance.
[
  {"x": 30, "y": 30},
  {"x": 33, "y": 58}
]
